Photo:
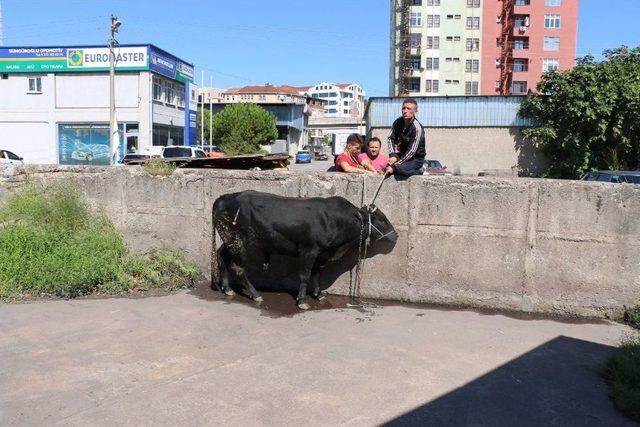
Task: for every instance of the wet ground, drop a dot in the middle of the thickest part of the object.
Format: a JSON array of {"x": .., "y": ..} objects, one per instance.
[
  {"x": 199, "y": 358},
  {"x": 283, "y": 304}
]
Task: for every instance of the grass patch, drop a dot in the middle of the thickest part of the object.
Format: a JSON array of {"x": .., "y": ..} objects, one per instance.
[
  {"x": 157, "y": 167},
  {"x": 632, "y": 317},
  {"x": 622, "y": 372},
  {"x": 51, "y": 244}
]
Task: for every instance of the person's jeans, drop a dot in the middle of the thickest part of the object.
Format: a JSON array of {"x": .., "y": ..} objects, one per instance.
[{"x": 410, "y": 167}]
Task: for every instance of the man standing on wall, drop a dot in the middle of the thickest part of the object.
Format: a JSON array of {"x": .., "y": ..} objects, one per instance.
[{"x": 406, "y": 142}]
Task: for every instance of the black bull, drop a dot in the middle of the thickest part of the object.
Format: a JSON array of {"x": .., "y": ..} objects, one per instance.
[{"x": 314, "y": 230}]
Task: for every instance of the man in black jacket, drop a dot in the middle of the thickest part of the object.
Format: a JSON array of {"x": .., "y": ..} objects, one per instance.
[{"x": 406, "y": 142}]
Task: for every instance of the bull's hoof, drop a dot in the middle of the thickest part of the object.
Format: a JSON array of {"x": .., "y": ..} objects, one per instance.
[
  {"x": 303, "y": 306},
  {"x": 229, "y": 292},
  {"x": 258, "y": 299},
  {"x": 321, "y": 296}
]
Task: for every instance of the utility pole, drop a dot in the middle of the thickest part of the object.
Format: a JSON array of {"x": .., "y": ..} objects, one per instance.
[
  {"x": 210, "y": 111},
  {"x": 202, "y": 110},
  {"x": 114, "y": 140}
]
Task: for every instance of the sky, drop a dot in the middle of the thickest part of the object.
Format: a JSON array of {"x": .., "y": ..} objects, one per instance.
[{"x": 296, "y": 42}]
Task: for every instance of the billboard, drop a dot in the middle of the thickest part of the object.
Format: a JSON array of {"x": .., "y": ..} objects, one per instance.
[
  {"x": 87, "y": 59},
  {"x": 86, "y": 144},
  {"x": 169, "y": 66}
]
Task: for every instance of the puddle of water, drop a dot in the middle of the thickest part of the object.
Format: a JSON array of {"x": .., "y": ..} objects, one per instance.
[{"x": 283, "y": 304}]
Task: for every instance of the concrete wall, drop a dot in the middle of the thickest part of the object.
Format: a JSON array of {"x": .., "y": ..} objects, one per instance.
[
  {"x": 469, "y": 151},
  {"x": 563, "y": 247}
]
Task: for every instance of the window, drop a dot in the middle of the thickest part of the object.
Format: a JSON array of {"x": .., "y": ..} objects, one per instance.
[
  {"x": 550, "y": 64},
  {"x": 552, "y": 43},
  {"x": 433, "y": 2},
  {"x": 431, "y": 86},
  {"x": 414, "y": 85},
  {"x": 553, "y": 3},
  {"x": 345, "y": 111},
  {"x": 552, "y": 21},
  {"x": 433, "y": 63},
  {"x": 433, "y": 21},
  {"x": 449, "y": 16},
  {"x": 472, "y": 65},
  {"x": 520, "y": 44},
  {"x": 473, "y": 23},
  {"x": 473, "y": 45},
  {"x": 519, "y": 87},
  {"x": 415, "y": 40},
  {"x": 471, "y": 88},
  {"x": 520, "y": 65},
  {"x": 35, "y": 85},
  {"x": 458, "y": 16},
  {"x": 522, "y": 2},
  {"x": 473, "y": 3},
  {"x": 433, "y": 42},
  {"x": 414, "y": 63},
  {"x": 415, "y": 19},
  {"x": 521, "y": 21},
  {"x": 332, "y": 103},
  {"x": 416, "y": 2},
  {"x": 456, "y": 38},
  {"x": 170, "y": 93},
  {"x": 449, "y": 38}
]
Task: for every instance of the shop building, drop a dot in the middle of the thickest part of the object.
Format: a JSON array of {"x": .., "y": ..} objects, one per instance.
[{"x": 54, "y": 102}]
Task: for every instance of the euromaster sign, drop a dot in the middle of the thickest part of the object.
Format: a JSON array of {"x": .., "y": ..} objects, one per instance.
[{"x": 87, "y": 59}]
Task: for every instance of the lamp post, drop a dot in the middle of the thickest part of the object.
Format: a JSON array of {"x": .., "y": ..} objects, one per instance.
[{"x": 113, "y": 125}]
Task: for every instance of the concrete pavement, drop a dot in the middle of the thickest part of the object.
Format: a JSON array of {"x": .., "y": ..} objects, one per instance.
[{"x": 187, "y": 360}]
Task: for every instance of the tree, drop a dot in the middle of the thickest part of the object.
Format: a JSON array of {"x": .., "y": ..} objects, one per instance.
[
  {"x": 588, "y": 118},
  {"x": 243, "y": 128}
]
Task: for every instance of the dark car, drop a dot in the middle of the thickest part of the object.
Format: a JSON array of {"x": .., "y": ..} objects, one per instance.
[
  {"x": 627, "y": 177},
  {"x": 322, "y": 156},
  {"x": 136, "y": 159},
  {"x": 434, "y": 167}
]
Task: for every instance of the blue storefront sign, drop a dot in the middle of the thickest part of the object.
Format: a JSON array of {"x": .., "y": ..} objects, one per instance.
[{"x": 191, "y": 115}]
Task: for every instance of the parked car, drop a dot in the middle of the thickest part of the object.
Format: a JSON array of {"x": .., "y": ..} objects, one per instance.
[
  {"x": 434, "y": 167},
  {"x": 303, "y": 156},
  {"x": 7, "y": 157},
  {"x": 628, "y": 177},
  {"x": 181, "y": 151},
  {"x": 136, "y": 159},
  {"x": 322, "y": 156},
  {"x": 213, "y": 151}
]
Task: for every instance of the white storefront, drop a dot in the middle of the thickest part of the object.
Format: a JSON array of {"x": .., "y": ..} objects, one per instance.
[{"x": 54, "y": 102}]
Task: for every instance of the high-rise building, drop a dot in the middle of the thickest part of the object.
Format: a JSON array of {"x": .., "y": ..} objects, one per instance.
[{"x": 478, "y": 47}]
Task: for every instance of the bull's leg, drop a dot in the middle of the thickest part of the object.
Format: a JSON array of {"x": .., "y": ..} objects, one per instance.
[
  {"x": 306, "y": 264},
  {"x": 315, "y": 279},
  {"x": 223, "y": 271},
  {"x": 248, "y": 287}
]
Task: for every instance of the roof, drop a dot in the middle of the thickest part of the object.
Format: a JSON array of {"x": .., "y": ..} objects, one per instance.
[
  {"x": 261, "y": 89},
  {"x": 451, "y": 111}
]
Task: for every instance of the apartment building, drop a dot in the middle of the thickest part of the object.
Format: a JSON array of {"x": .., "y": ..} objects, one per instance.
[
  {"x": 524, "y": 38},
  {"x": 342, "y": 99},
  {"x": 478, "y": 47}
]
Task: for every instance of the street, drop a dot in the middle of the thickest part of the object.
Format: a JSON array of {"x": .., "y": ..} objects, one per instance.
[{"x": 195, "y": 358}]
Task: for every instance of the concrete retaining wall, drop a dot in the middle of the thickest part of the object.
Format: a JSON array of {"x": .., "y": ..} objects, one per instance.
[{"x": 564, "y": 247}]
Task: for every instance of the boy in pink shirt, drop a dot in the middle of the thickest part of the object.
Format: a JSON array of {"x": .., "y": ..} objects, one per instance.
[{"x": 372, "y": 157}]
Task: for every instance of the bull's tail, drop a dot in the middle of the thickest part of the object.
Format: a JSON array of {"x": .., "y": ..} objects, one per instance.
[{"x": 216, "y": 278}]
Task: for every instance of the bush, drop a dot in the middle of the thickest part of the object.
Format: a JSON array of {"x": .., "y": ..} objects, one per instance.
[
  {"x": 622, "y": 372},
  {"x": 51, "y": 244},
  {"x": 157, "y": 167}
]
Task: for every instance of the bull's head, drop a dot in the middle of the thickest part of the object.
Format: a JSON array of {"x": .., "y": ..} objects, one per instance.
[{"x": 378, "y": 224}]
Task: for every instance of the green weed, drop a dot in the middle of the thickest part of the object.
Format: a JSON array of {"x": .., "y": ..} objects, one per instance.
[
  {"x": 622, "y": 371},
  {"x": 158, "y": 167},
  {"x": 52, "y": 244}
]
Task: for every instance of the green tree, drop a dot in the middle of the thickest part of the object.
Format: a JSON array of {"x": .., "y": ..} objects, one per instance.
[
  {"x": 243, "y": 128},
  {"x": 588, "y": 118}
]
